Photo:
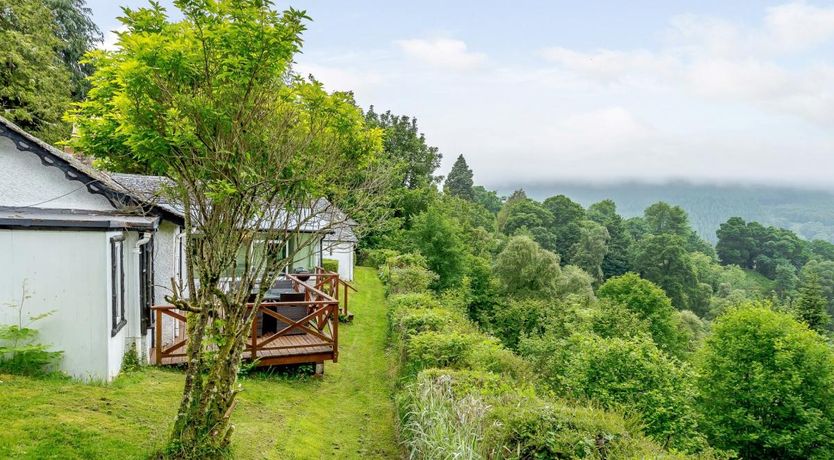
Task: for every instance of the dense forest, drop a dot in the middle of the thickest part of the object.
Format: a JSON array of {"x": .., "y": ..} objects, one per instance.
[
  {"x": 808, "y": 212},
  {"x": 717, "y": 349}
]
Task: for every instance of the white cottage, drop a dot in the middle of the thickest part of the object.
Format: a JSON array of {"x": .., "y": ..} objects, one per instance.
[{"x": 77, "y": 243}]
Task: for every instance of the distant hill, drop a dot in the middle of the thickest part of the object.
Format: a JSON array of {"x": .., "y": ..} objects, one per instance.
[{"x": 809, "y": 213}]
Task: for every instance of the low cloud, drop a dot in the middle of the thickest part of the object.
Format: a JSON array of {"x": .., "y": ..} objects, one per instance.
[{"x": 443, "y": 53}]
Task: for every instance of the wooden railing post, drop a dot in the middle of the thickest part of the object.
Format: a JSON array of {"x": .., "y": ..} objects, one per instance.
[
  {"x": 158, "y": 337},
  {"x": 254, "y": 338},
  {"x": 334, "y": 326}
]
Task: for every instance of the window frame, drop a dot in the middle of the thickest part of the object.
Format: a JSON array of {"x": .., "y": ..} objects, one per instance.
[{"x": 118, "y": 320}]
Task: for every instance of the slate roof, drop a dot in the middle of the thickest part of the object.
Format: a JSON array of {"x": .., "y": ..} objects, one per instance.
[{"x": 74, "y": 169}]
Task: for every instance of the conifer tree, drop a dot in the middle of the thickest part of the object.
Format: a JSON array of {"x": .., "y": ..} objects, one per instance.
[
  {"x": 459, "y": 183},
  {"x": 811, "y": 306}
]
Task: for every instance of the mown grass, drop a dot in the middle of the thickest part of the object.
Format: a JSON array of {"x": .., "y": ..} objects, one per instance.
[{"x": 347, "y": 414}]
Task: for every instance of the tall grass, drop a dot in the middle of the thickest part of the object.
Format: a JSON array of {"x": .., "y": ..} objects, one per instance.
[{"x": 438, "y": 425}]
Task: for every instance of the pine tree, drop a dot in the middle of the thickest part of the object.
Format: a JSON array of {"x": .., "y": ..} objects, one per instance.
[
  {"x": 812, "y": 307},
  {"x": 459, "y": 183}
]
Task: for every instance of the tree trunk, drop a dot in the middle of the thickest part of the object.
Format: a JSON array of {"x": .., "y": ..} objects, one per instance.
[{"x": 202, "y": 428}]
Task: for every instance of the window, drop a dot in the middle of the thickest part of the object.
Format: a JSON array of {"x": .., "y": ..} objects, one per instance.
[{"x": 117, "y": 284}]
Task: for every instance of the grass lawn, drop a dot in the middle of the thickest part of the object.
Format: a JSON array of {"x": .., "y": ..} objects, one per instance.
[{"x": 346, "y": 414}]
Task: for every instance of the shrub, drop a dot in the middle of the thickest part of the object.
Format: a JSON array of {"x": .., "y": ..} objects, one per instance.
[
  {"x": 410, "y": 279},
  {"x": 376, "y": 257},
  {"x": 489, "y": 355},
  {"x": 409, "y": 322},
  {"x": 20, "y": 352},
  {"x": 131, "y": 361},
  {"x": 532, "y": 428},
  {"x": 413, "y": 300},
  {"x": 630, "y": 374},
  {"x": 766, "y": 386},
  {"x": 331, "y": 265},
  {"x": 438, "y": 349}
]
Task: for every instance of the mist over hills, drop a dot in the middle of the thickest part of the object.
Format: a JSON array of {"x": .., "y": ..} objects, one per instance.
[{"x": 809, "y": 213}]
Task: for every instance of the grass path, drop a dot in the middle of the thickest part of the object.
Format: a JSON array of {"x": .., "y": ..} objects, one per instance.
[{"x": 346, "y": 414}]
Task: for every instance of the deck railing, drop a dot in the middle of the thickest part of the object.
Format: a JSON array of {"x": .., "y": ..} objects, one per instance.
[
  {"x": 319, "y": 326},
  {"x": 331, "y": 283}
]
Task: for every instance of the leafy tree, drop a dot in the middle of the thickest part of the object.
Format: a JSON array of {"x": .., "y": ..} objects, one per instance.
[
  {"x": 766, "y": 386},
  {"x": 210, "y": 101},
  {"x": 459, "y": 182},
  {"x": 489, "y": 199},
  {"x": 78, "y": 34},
  {"x": 825, "y": 271},
  {"x": 786, "y": 280},
  {"x": 812, "y": 306},
  {"x": 663, "y": 218},
  {"x": 405, "y": 146},
  {"x": 34, "y": 84},
  {"x": 651, "y": 304},
  {"x": 567, "y": 216},
  {"x": 663, "y": 260},
  {"x": 589, "y": 252},
  {"x": 524, "y": 269},
  {"x": 528, "y": 215},
  {"x": 501, "y": 217},
  {"x": 439, "y": 239},
  {"x": 575, "y": 281},
  {"x": 616, "y": 260}
]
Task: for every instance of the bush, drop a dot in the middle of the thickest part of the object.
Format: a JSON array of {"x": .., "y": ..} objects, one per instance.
[
  {"x": 489, "y": 355},
  {"x": 406, "y": 273},
  {"x": 766, "y": 386},
  {"x": 438, "y": 349},
  {"x": 375, "y": 257},
  {"x": 411, "y": 279},
  {"x": 413, "y": 300},
  {"x": 531, "y": 428},
  {"x": 409, "y": 322},
  {"x": 630, "y": 374},
  {"x": 331, "y": 265}
]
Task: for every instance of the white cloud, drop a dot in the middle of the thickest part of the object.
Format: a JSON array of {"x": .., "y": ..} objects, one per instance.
[
  {"x": 336, "y": 78},
  {"x": 797, "y": 26},
  {"x": 111, "y": 38},
  {"x": 443, "y": 53},
  {"x": 721, "y": 61}
]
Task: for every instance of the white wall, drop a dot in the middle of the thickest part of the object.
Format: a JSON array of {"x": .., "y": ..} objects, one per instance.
[
  {"x": 343, "y": 252},
  {"x": 68, "y": 272},
  {"x": 25, "y": 181}
]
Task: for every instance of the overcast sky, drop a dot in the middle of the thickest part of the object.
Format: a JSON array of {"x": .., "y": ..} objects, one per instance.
[{"x": 542, "y": 91}]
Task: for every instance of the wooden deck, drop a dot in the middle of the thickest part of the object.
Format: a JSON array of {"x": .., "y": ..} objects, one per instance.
[
  {"x": 288, "y": 349},
  {"x": 313, "y": 338}
]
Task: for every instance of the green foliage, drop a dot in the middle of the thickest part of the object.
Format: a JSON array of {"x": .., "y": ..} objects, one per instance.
[
  {"x": 766, "y": 386},
  {"x": 131, "y": 361},
  {"x": 402, "y": 280},
  {"x": 616, "y": 261},
  {"x": 590, "y": 250},
  {"x": 330, "y": 265},
  {"x": 375, "y": 258},
  {"x": 487, "y": 198},
  {"x": 524, "y": 269},
  {"x": 629, "y": 374},
  {"x": 78, "y": 34},
  {"x": 20, "y": 351},
  {"x": 34, "y": 83},
  {"x": 754, "y": 246},
  {"x": 651, "y": 304},
  {"x": 439, "y": 238},
  {"x": 459, "y": 182},
  {"x": 662, "y": 218},
  {"x": 523, "y": 215},
  {"x": 812, "y": 307},
  {"x": 575, "y": 281},
  {"x": 663, "y": 259}
]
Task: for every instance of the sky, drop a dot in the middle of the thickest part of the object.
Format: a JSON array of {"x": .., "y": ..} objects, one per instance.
[{"x": 534, "y": 92}]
